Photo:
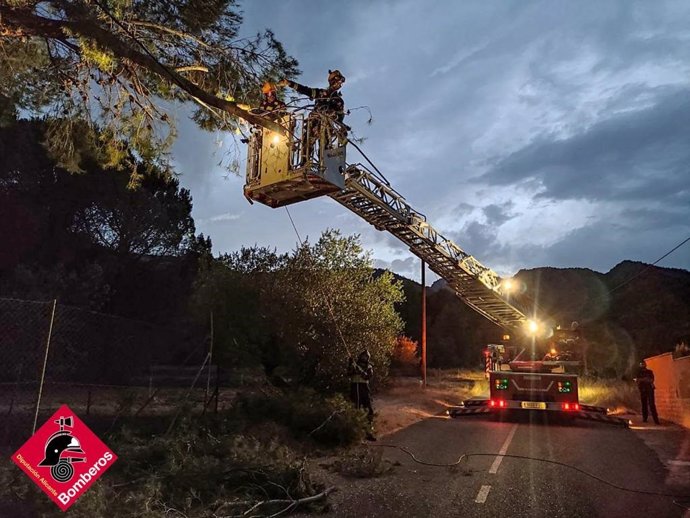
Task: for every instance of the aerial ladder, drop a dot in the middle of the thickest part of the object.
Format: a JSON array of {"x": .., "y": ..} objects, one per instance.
[
  {"x": 302, "y": 164},
  {"x": 308, "y": 160}
]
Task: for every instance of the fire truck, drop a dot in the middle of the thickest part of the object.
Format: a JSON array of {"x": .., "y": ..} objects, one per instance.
[
  {"x": 534, "y": 377},
  {"x": 541, "y": 376}
]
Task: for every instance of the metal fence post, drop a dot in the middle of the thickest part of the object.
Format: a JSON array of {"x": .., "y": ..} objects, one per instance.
[
  {"x": 210, "y": 359},
  {"x": 45, "y": 362}
]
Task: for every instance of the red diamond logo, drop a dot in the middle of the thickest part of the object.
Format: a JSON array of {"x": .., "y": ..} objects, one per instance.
[{"x": 64, "y": 458}]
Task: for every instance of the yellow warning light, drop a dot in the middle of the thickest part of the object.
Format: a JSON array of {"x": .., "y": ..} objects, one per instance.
[
  {"x": 553, "y": 352},
  {"x": 506, "y": 338}
]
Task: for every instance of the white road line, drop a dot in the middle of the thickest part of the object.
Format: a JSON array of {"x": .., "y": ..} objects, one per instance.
[
  {"x": 483, "y": 493},
  {"x": 503, "y": 450}
]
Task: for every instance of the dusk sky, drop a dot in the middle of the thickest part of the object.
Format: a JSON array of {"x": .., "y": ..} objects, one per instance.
[{"x": 531, "y": 133}]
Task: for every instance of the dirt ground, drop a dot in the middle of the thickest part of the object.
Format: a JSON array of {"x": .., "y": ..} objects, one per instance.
[{"x": 405, "y": 401}]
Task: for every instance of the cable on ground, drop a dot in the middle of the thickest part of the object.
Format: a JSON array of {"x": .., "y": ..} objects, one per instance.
[{"x": 685, "y": 499}]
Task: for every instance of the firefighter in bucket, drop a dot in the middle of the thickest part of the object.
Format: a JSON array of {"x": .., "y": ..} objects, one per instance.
[{"x": 326, "y": 119}]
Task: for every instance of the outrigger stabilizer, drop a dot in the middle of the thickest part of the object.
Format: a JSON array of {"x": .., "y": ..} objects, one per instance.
[{"x": 586, "y": 412}]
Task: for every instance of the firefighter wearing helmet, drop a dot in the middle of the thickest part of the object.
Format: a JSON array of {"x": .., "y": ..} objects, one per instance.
[
  {"x": 360, "y": 372},
  {"x": 329, "y": 108},
  {"x": 271, "y": 107}
]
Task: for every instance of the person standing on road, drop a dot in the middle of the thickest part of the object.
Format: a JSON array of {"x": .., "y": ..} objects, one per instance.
[
  {"x": 360, "y": 372},
  {"x": 645, "y": 382}
]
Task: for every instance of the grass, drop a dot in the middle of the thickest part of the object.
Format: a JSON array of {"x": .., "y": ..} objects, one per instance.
[{"x": 619, "y": 396}]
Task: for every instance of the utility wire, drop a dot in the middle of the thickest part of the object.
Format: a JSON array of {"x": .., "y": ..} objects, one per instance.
[{"x": 650, "y": 265}]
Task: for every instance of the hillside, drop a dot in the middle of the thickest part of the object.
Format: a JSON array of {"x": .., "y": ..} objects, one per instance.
[{"x": 632, "y": 311}]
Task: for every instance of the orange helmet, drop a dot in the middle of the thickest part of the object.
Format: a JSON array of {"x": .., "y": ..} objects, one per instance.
[{"x": 268, "y": 87}]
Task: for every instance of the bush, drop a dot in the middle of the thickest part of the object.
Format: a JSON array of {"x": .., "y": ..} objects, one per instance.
[
  {"x": 329, "y": 421},
  {"x": 404, "y": 360},
  {"x": 198, "y": 471}
]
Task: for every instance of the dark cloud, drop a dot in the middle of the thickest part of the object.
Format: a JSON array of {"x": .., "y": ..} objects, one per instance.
[
  {"x": 496, "y": 215},
  {"x": 637, "y": 156}
]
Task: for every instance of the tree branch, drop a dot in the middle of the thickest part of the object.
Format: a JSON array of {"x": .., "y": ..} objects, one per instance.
[
  {"x": 192, "y": 68},
  {"x": 162, "y": 28},
  {"x": 83, "y": 24}
]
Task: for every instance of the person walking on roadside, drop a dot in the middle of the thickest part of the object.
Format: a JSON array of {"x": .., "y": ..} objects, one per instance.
[
  {"x": 360, "y": 372},
  {"x": 645, "y": 383}
]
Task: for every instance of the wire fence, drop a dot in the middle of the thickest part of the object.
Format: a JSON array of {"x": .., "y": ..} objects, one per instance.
[{"x": 101, "y": 366}]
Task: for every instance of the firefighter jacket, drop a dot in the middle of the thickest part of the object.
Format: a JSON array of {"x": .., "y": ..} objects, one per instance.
[
  {"x": 645, "y": 378},
  {"x": 271, "y": 108},
  {"x": 327, "y": 101},
  {"x": 360, "y": 372}
]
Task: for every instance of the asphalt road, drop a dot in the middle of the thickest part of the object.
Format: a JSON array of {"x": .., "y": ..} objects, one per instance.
[{"x": 506, "y": 487}]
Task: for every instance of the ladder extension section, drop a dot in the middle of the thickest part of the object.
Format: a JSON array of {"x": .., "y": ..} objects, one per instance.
[{"x": 476, "y": 285}]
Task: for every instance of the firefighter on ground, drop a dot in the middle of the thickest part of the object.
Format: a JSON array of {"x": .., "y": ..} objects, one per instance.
[
  {"x": 329, "y": 109},
  {"x": 645, "y": 382},
  {"x": 360, "y": 372}
]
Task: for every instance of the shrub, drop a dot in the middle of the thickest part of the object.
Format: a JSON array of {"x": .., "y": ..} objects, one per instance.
[
  {"x": 329, "y": 421},
  {"x": 198, "y": 471}
]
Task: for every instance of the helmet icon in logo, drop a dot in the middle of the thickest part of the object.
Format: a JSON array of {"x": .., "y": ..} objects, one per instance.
[{"x": 61, "y": 451}]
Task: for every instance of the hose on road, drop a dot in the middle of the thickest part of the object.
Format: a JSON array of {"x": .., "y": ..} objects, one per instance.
[{"x": 679, "y": 500}]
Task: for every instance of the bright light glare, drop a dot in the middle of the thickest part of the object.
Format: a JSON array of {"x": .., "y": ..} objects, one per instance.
[
  {"x": 508, "y": 285},
  {"x": 553, "y": 352},
  {"x": 275, "y": 139},
  {"x": 532, "y": 326}
]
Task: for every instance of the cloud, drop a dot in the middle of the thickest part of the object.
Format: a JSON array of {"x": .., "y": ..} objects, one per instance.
[
  {"x": 629, "y": 157},
  {"x": 531, "y": 133},
  {"x": 227, "y": 216}
]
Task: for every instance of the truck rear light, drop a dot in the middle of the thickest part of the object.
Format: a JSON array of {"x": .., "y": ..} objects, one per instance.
[
  {"x": 498, "y": 403},
  {"x": 502, "y": 403},
  {"x": 571, "y": 406}
]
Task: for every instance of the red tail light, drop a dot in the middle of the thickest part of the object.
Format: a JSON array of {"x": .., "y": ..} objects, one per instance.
[{"x": 570, "y": 406}]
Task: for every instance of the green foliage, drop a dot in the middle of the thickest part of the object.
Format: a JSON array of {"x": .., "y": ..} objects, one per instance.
[
  {"x": 84, "y": 62},
  {"x": 306, "y": 312},
  {"x": 231, "y": 289},
  {"x": 329, "y": 421},
  {"x": 330, "y": 306}
]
